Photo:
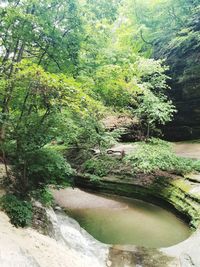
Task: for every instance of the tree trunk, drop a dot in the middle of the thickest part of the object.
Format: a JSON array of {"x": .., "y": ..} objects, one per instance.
[
  {"x": 2, "y": 137},
  {"x": 148, "y": 130}
]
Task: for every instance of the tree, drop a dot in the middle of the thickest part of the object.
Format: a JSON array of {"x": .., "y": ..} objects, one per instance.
[
  {"x": 33, "y": 30},
  {"x": 49, "y": 33},
  {"x": 39, "y": 100},
  {"x": 56, "y": 82},
  {"x": 153, "y": 111}
]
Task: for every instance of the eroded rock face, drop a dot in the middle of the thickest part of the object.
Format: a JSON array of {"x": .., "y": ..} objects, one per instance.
[
  {"x": 184, "y": 64},
  {"x": 186, "y": 122},
  {"x": 28, "y": 248},
  {"x": 78, "y": 239}
]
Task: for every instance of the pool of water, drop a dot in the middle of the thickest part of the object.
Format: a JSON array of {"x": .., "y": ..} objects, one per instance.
[{"x": 117, "y": 220}]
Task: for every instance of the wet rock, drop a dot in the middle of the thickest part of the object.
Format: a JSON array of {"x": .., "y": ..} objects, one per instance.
[
  {"x": 42, "y": 220},
  {"x": 78, "y": 239},
  {"x": 68, "y": 232},
  {"x": 185, "y": 254},
  {"x": 140, "y": 257},
  {"x": 187, "y": 251}
]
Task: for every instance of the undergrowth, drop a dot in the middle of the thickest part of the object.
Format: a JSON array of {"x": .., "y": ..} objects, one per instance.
[
  {"x": 100, "y": 166},
  {"x": 156, "y": 155},
  {"x": 18, "y": 210},
  {"x": 43, "y": 195}
]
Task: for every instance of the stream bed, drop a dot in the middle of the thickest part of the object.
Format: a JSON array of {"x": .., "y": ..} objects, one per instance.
[{"x": 119, "y": 220}]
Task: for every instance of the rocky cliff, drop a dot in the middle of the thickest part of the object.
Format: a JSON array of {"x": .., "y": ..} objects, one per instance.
[{"x": 182, "y": 55}]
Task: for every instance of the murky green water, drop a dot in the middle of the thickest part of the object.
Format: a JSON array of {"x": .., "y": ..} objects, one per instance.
[{"x": 132, "y": 222}]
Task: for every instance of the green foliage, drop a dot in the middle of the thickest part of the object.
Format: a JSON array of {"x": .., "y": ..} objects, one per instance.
[
  {"x": 154, "y": 110},
  {"x": 60, "y": 72},
  {"x": 41, "y": 110},
  {"x": 166, "y": 25},
  {"x": 34, "y": 29},
  {"x": 18, "y": 210},
  {"x": 152, "y": 75},
  {"x": 115, "y": 86},
  {"x": 102, "y": 9},
  {"x": 44, "y": 195},
  {"x": 158, "y": 155},
  {"x": 45, "y": 166},
  {"x": 90, "y": 133},
  {"x": 120, "y": 75},
  {"x": 100, "y": 166},
  {"x": 94, "y": 178},
  {"x": 153, "y": 107}
]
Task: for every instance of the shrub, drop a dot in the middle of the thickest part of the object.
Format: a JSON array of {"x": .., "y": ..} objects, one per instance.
[
  {"x": 154, "y": 110},
  {"x": 48, "y": 167},
  {"x": 100, "y": 166},
  {"x": 94, "y": 178},
  {"x": 158, "y": 155},
  {"x": 44, "y": 195},
  {"x": 44, "y": 166},
  {"x": 18, "y": 210}
]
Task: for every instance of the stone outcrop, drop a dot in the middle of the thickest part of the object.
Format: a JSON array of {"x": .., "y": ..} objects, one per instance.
[
  {"x": 129, "y": 127},
  {"x": 182, "y": 57}
]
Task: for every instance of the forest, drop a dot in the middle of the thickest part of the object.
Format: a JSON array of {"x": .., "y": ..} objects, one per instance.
[{"x": 78, "y": 77}]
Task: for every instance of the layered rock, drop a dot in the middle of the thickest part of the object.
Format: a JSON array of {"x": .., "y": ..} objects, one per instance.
[{"x": 182, "y": 54}]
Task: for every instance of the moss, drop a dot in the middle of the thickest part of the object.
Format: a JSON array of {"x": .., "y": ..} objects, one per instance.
[{"x": 183, "y": 185}]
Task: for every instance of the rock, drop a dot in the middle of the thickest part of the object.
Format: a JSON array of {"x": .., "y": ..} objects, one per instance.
[
  {"x": 41, "y": 222},
  {"x": 68, "y": 232},
  {"x": 12, "y": 255},
  {"x": 140, "y": 257},
  {"x": 186, "y": 261},
  {"x": 109, "y": 263},
  {"x": 168, "y": 191},
  {"x": 128, "y": 125},
  {"x": 78, "y": 239},
  {"x": 187, "y": 251},
  {"x": 185, "y": 88},
  {"x": 28, "y": 248},
  {"x": 58, "y": 208}
]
